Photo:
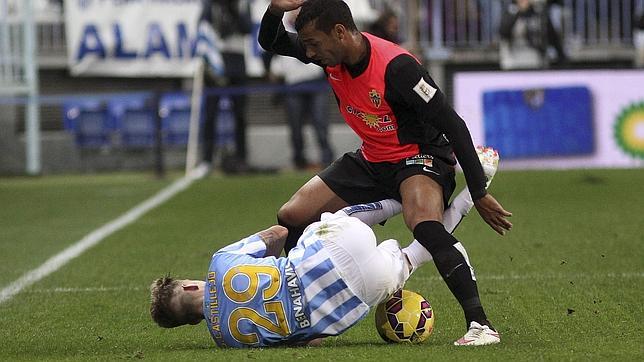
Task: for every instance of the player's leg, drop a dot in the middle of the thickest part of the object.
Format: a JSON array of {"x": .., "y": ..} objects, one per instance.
[
  {"x": 346, "y": 181},
  {"x": 459, "y": 208},
  {"x": 423, "y": 203},
  {"x": 295, "y": 105},
  {"x": 371, "y": 271},
  {"x": 391, "y": 257},
  {"x": 376, "y": 212},
  {"x": 320, "y": 120},
  {"x": 305, "y": 207}
]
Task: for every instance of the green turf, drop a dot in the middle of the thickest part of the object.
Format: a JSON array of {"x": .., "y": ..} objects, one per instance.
[
  {"x": 40, "y": 216},
  {"x": 565, "y": 284}
]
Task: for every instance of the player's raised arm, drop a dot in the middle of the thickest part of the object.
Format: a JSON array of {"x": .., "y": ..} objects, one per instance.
[{"x": 273, "y": 37}]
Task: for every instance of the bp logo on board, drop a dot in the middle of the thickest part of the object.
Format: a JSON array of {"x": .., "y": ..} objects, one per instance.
[{"x": 629, "y": 130}]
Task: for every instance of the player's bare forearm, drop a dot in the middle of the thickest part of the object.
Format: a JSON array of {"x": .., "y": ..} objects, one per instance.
[
  {"x": 494, "y": 214},
  {"x": 274, "y": 238}
]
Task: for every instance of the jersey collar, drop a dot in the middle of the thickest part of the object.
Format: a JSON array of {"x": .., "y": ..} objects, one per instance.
[{"x": 357, "y": 69}]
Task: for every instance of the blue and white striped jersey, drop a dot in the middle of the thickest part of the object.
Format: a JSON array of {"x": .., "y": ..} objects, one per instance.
[{"x": 252, "y": 301}]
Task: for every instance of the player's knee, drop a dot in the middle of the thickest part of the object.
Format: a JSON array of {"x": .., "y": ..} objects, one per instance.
[
  {"x": 288, "y": 215},
  {"x": 424, "y": 205},
  {"x": 285, "y": 216},
  {"x": 414, "y": 214},
  {"x": 412, "y": 220}
]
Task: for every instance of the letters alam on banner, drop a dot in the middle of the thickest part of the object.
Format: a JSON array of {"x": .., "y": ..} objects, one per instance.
[{"x": 138, "y": 38}]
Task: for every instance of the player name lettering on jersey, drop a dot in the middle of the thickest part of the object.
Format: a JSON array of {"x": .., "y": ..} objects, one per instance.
[
  {"x": 213, "y": 307},
  {"x": 295, "y": 293}
]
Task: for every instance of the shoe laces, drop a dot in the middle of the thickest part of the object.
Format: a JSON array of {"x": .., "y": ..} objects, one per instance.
[{"x": 476, "y": 330}]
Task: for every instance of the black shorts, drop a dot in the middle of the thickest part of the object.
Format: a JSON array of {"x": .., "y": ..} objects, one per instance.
[{"x": 356, "y": 180}]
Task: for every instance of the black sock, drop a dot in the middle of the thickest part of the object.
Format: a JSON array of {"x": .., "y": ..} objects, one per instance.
[
  {"x": 453, "y": 267},
  {"x": 294, "y": 233}
]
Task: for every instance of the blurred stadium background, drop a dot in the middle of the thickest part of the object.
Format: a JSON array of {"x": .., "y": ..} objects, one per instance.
[{"x": 72, "y": 98}]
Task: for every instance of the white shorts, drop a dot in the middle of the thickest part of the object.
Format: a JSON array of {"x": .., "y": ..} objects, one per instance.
[{"x": 371, "y": 271}]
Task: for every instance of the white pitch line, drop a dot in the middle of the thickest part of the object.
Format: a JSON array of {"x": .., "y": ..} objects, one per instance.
[
  {"x": 57, "y": 261},
  {"x": 84, "y": 290}
]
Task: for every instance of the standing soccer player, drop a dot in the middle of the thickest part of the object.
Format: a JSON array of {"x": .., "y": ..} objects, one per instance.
[{"x": 409, "y": 137}]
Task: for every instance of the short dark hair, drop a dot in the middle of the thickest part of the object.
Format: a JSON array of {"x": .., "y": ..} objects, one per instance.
[
  {"x": 326, "y": 14},
  {"x": 161, "y": 295}
]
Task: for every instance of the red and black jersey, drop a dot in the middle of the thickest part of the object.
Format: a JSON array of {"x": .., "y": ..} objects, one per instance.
[
  {"x": 391, "y": 102},
  {"x": 364, "y": 107}
]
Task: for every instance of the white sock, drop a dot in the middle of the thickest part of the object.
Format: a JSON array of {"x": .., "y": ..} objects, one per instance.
[
  {"x": 374, "y": 212},
  {"x": 417, "y": 255},
  {"x": 461, "y": 206}
]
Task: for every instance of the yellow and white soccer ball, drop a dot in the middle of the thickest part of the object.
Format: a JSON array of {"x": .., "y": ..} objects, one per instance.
[{"x": 406, "y": 317}]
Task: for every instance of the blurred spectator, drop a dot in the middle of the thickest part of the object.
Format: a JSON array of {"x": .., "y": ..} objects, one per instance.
[
  {"x": 526, "y": 33},
  {"x": 639, "y": 41},
  {"x": 299, "y": 103},
  {"x": 231, "y": 20},
  {"x": 363, "y": 12},
  {"x": 386, "y": 27}
]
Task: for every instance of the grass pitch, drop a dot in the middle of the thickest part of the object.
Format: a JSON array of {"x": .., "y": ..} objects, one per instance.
[{"x": 565, "y": 284}]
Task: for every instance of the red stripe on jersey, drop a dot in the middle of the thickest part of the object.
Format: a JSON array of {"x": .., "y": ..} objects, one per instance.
[{"x": 364, "y": 108}]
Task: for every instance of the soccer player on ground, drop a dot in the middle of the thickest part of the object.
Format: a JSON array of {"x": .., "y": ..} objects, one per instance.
[
  {"x": 252, "y": 298},
  {"x": 409, "y": 137}
]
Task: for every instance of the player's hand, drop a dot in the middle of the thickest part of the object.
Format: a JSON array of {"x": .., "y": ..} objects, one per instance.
[
  {"x": 315, "y": 342},
  {"x": 274, "y": 237},
  {"x": 493, "y": 213},
  {"x": 279, "y": 7}
]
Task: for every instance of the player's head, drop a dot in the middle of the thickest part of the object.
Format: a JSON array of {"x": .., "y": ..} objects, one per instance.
[
  {"x": 175, "y": 302},
  {"x": 325, "y": 27}
]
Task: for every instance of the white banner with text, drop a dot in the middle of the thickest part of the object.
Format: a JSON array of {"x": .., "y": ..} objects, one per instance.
[{"x": 137, "y": 38}]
